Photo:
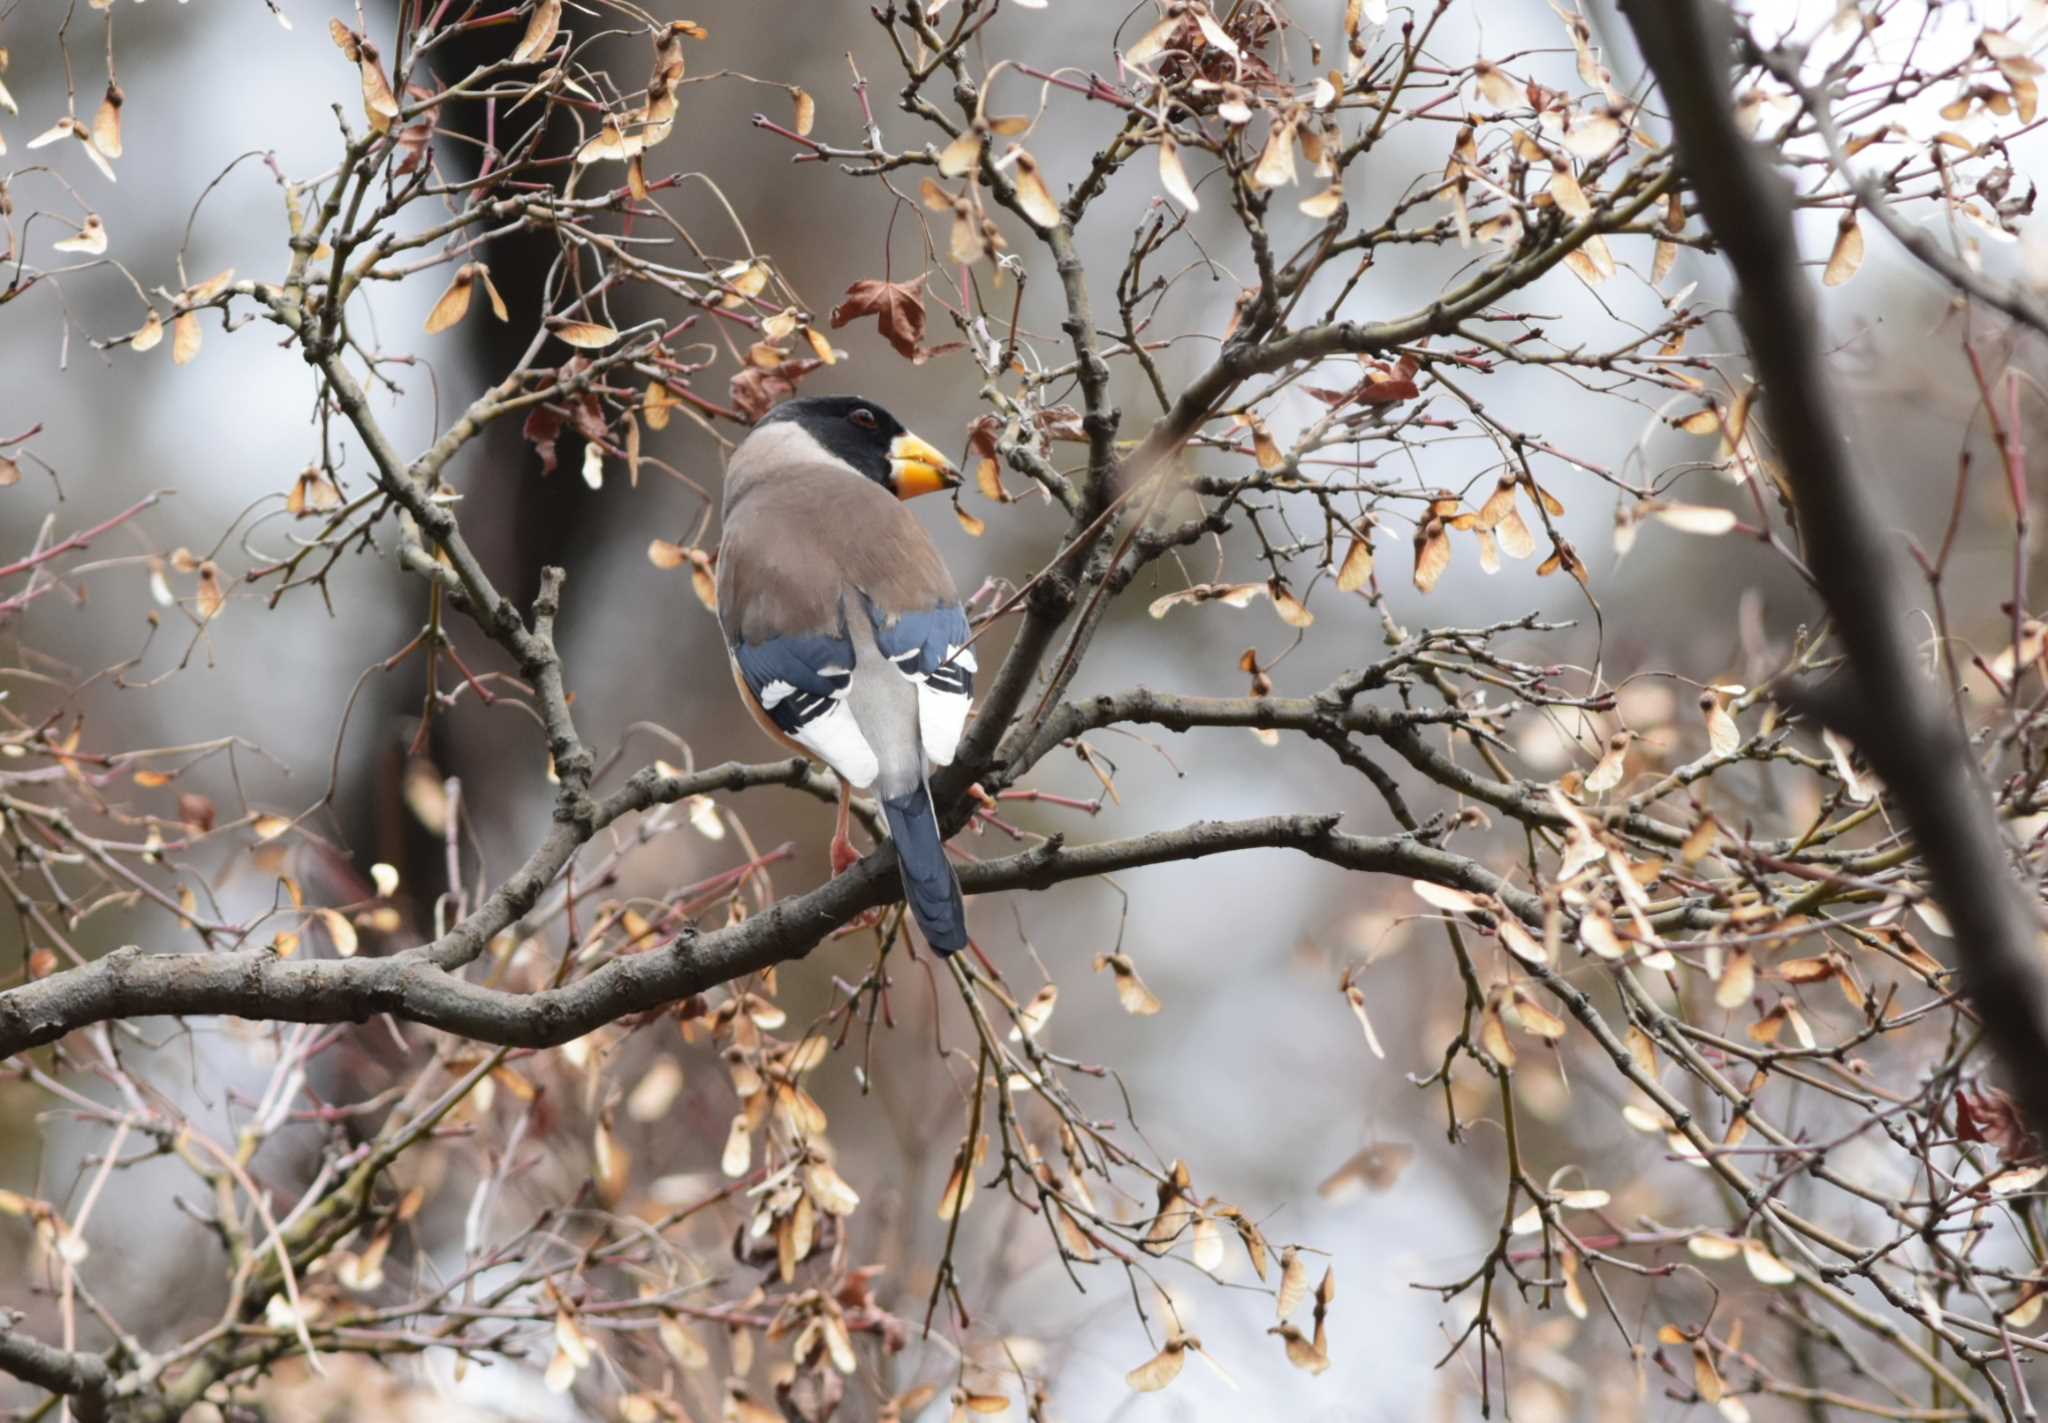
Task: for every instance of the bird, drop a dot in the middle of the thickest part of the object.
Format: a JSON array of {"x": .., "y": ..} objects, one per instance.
[{"x": 849, "y": 642}]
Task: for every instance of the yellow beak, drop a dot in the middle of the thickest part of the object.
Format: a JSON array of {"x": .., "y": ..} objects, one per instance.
[{"x": 918, "y": 468}]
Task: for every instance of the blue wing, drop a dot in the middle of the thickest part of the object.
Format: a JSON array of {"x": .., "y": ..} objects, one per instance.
[
  {"x": 801, "y": 682},
  {"x": 930, "y": 648}
]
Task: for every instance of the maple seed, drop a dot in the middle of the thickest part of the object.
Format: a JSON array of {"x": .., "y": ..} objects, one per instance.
[
  {"x": 106, "y": 122},
  {"x": 1161, "y": 1369},
  {"x": 312, "y": 493},
  {"x": 540, "y": 32},
  {"x": 1848, "y": 252},
  {"x": 91, "y": 238},
  {"x": 1376, "y": 1168},
  {"x": 1032, "y": 194},
  {"x": 1276, "y": 161},
  {"x": 1173, "y": 177},
  {"x": 584, "y": 335},
  {"x": 1432, "y": 554},
  {"x": 960, "y": 157},
  {"x": 1137, "y": 999}
]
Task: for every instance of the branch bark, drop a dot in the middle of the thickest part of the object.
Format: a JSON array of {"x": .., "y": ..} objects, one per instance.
[
  {"x": 79, "y": 1376},
  {"x": 255, "y": 983},
  {"x": 1915, "y": 748}
]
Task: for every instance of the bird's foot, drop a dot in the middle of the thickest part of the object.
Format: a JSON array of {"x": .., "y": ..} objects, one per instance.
[{"x": 844, "y": 856}]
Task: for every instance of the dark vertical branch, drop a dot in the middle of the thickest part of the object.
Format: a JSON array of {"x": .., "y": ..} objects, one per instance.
[{"x": 1912, "y": 743}]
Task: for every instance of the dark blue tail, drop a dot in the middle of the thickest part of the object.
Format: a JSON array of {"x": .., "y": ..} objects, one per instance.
[{"x": 928, "y": 883}]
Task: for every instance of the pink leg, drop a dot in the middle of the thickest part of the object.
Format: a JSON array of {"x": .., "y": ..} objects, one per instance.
[{"x": 844, "y": 856}]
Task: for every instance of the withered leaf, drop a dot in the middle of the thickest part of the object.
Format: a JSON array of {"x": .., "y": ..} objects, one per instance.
[
  {"x": 542, "y": 428},
  {"x": 758, "y": 389},
  {"x": 898, "y": 309}
]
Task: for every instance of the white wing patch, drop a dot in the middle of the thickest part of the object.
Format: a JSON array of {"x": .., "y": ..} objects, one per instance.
[
  {"x": 837, "y": 740},
  {"x": 941, "y": 711},
  {"x": 773, "y": 694},
  {"x": 941, "y": 717}
]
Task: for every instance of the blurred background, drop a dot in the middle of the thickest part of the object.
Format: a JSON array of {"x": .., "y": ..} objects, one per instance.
[{"x": 1255, "y": 1074}]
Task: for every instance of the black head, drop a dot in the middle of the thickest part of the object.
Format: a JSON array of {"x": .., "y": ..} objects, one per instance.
[{"x": 871, "y": 440}]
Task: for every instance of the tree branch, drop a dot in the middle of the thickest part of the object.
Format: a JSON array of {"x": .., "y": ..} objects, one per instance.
[
  {"x": 80, "y": 1376},
  {"x": 2009, "y": 297},
  {"x": 1915, "y": 748},
  {"x": 414, "y": 987}
]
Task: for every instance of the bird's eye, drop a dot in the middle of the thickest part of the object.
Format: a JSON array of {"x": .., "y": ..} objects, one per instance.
[{"x": 863, "y": 417}]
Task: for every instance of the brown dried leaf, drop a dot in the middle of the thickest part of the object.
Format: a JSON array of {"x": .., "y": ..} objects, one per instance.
[
  {"x": 757, "y": 390},
  {"x": 898, "y": 309}
]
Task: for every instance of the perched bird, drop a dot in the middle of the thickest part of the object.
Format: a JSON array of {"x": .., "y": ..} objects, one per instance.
[{"x": 849, "y": 643}]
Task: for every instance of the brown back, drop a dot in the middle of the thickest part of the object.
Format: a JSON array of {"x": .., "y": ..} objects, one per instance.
[{"x": 801, "y": 530}]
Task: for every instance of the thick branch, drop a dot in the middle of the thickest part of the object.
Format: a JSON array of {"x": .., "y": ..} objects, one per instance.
[
  {"x": 1914, "y": 746},
  {"x": 82, "y": 1377},
  {"x": 257, "y": 984}
]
